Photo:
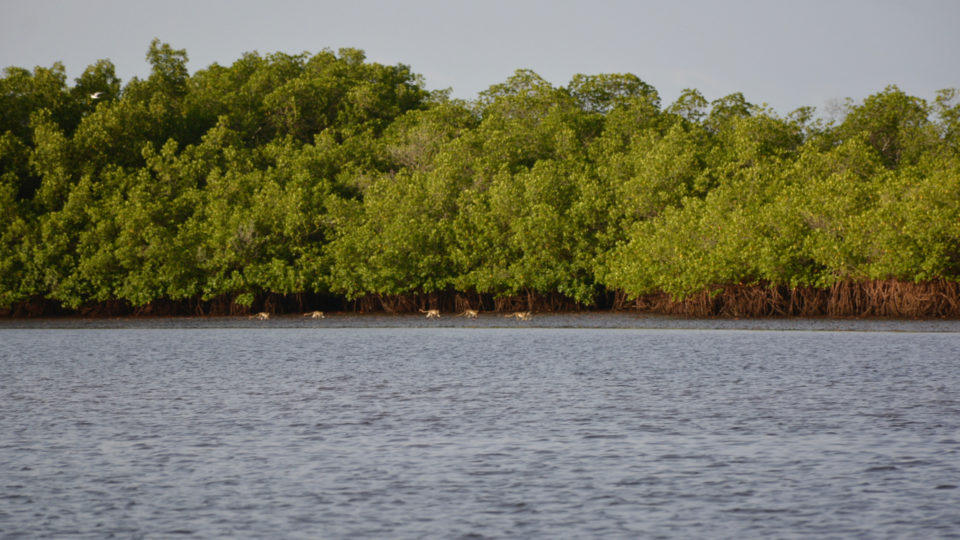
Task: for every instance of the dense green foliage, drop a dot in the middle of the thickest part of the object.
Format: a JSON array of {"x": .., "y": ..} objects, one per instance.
[{"x": 329, "y": 174}]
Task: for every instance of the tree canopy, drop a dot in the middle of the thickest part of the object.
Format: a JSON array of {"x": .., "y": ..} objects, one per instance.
[{"x": 328, "y": 174}]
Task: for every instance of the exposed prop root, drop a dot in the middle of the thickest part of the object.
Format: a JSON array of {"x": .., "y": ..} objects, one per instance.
[{"x": 881, "y": 298}]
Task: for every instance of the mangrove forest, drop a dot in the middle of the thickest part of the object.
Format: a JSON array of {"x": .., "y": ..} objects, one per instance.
[{"x": 324, "y": 181}]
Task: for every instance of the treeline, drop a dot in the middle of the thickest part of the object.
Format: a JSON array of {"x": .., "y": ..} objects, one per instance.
[{"x": 288, "y": 180}]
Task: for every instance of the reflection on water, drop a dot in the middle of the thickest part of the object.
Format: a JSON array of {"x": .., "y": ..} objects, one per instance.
[{"x": 391, "y": 428}]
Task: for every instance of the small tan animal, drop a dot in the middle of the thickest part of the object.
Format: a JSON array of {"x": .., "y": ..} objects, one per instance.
[
  {"x": 469, "y": 313},
  {"x": 520, "y": 315},
  {"x": 431, "y": 313},
  {"x": 315, "y": 315},
  {"x": 262, "y": 316}
]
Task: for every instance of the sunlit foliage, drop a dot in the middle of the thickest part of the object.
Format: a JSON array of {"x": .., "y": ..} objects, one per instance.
[{"x": 325, "y": 173}]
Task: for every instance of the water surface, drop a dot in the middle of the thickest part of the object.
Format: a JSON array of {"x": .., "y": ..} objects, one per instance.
[{"x": 302, "y": 429}]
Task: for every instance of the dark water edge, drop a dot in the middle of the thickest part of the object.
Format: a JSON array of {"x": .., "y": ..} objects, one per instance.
[{"x": 593, "y": 319}]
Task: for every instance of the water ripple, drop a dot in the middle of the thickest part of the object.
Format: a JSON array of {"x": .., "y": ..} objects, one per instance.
[{"x": 477, "y": 433}]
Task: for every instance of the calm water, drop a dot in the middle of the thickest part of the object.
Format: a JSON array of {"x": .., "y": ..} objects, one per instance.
[{"x": 310, "y": 430}]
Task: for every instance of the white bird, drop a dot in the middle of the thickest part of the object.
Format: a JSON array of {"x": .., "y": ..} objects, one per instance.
[{"x": 96, "y": 95}]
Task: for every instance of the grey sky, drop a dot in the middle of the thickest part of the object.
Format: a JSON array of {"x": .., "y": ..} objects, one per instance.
[{"x": 784, "y": 53}]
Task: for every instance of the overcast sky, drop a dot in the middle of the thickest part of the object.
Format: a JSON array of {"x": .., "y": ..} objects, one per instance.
[{"x": 784, "y": 53}]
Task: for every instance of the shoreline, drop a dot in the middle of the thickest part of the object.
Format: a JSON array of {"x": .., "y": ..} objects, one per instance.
[
  {"x": 598, "y": 320},
  {"x": 880, "y": 299}
]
